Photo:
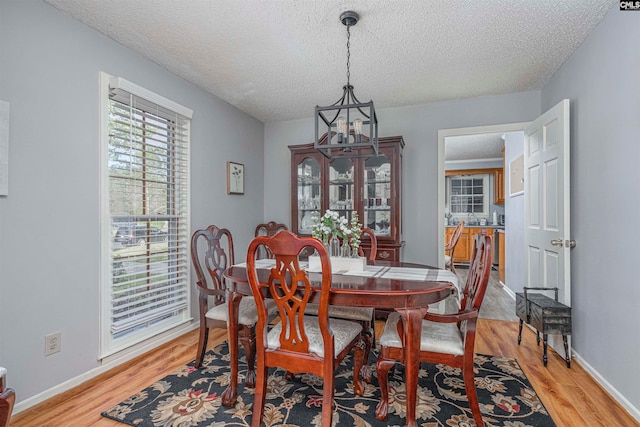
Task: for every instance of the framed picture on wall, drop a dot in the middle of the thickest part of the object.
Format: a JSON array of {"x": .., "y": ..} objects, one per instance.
[{"x": 235, "y": 178}]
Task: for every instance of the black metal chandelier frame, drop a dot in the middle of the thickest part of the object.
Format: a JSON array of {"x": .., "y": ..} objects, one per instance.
[{"x": 345, "y": 133}]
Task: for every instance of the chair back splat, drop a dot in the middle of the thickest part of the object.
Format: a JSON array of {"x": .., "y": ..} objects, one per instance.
[
  {"x": 445, "y": 338},
  {"x": 298, "y": 343},
  {"x": 450, "y": 247},
  {"x": 269, "y": 229}
]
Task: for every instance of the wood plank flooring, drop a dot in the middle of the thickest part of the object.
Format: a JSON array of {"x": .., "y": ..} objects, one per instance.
[{"x": 571, "y": 396}]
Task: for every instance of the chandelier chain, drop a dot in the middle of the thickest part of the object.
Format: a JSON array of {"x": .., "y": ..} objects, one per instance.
[{"x": 348, "y": 53}]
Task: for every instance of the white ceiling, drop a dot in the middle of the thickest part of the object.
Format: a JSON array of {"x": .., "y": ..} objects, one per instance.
[
  {"x": 278, "y": 59},
  {"x": 486, "y": 146}
]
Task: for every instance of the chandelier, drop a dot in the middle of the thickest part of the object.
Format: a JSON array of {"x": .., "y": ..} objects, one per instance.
[{"x": 347, "y": 125}]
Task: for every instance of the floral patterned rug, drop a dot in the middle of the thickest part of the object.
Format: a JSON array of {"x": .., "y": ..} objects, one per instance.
[{"x": 191, "y": 397}]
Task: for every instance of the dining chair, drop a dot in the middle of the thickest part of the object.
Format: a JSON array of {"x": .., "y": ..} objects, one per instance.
[
  {"x": 374, "y": 245},
  {"x": 363, "y": 315},
  {"x": 211, "y": 254},
  {"x": 269, "y": 229},
  {"x": 7, "y": 399},
  {"x": 299, "y": 343},
  {"x": 450, "y": 247},
  {"x": 445, "y": 339}
]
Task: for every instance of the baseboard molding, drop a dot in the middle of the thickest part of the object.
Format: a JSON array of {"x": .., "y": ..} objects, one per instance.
[
  {"x": 76, "y": 381},
  {"x": 508, "y": 291},
  {"x": 632, "y": 410}
]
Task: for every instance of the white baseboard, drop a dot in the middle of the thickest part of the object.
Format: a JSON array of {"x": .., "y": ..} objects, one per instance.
[
  {"x": 508, "y": 291},
  {"x": 76, "y": 381},
  {"x": 632, "y": 410}
]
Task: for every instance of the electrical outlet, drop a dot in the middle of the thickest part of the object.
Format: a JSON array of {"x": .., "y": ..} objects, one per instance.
[{"x": 52, "y": 343}]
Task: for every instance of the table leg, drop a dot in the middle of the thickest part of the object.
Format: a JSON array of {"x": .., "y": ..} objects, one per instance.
[
  {"x": 230, "y": 394},
  {"x": 412, "y": 321},
  {"x": 566, "y": 351},
  {"x": 545, "y": 344}
]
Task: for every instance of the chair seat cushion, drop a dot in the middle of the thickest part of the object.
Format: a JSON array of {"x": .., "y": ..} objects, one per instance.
[
  {"x": 435, "y": 336},
  {"x": 344, "y": 332},
  {"x": 364, "y": 314},
  {"x": 247, "y": 313}
]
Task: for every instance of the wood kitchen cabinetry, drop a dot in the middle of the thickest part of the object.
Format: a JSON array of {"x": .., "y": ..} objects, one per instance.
[
  {"x": 464, "y": 247},
  {"x": 371, "y": 186},
  {"x": 498, "y": 186}
]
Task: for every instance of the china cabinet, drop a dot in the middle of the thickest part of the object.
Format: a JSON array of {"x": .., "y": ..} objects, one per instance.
[{"x": 370, "y": 185}]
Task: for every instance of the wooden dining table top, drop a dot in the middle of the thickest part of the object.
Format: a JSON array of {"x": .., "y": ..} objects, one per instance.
[{"x": 376, "y": 290}]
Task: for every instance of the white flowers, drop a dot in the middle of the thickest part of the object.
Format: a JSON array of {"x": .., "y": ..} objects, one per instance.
[{"x": 332, "y": 224}]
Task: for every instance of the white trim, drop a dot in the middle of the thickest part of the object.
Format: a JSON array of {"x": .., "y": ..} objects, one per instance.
[
  {"x": 126, "y": 85},
  {"x": 76, "y": 381},
  {"x": 444, "y": 133},
  {"x": 632, "y": 410},
  {"x": 104, "y": 308},
  {"x": 451, "y": 162}
]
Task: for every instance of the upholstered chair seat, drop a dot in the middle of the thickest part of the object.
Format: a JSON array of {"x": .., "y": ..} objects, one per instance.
[
  {"x": 362, "y": 314},
  {"x": 247, "y": 313},
  {"x": 435, "y": 337},
  {"x": 344, "y": 332}
]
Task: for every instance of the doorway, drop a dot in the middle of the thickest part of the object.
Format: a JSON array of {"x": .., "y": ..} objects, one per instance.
[{"x": 476, "y": 132}]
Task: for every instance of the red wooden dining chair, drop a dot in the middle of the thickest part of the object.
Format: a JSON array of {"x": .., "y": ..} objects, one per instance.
[
  {"x": 299, "y": 343},
  {"x": 374, "y": 245},
  {"x": 211, "y": 254},
  {"x": 450, "y": 247},
  {"x": 448, "y": 339},
  {"x": 7, "y": 399},
  {"x": 269, "y": 229}
]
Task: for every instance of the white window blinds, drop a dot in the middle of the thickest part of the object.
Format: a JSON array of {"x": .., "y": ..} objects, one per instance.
[{"x": 148, "y": 186}]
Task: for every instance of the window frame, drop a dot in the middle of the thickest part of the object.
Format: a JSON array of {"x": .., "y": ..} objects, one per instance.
[
  {"x": 108, "y": 344},
  {"x": 486, "y": 194}
]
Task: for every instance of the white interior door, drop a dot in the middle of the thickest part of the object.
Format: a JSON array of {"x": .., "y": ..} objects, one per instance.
[{"x": 547, "y": 227}]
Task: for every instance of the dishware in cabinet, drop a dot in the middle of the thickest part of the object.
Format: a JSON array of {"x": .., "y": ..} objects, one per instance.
[{"x": 369, "y": 185}]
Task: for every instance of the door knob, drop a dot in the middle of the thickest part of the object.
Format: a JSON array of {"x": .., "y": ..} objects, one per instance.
[
  {"x": 557, "y": 242},
  {"x": 570, "y": 243}
]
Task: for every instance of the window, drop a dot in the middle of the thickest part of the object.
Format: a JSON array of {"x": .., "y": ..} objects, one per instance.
[
  {"x": 468, "y": 194},
  {"x": 145, "y": 200}
]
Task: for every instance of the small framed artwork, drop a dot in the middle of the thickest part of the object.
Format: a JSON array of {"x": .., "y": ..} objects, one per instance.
[{"x": 235, "y": 178}]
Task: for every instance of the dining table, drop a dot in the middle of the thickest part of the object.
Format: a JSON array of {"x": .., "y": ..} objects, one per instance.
[{"x": 407, "y": 288}]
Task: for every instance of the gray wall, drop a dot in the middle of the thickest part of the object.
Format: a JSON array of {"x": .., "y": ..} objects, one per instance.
[
  {"x": 601, "y": 79},
  {"x": 49, "y": 230},
  {"x": 514, "y": 218},
  {"x": 419, "y": 126}
]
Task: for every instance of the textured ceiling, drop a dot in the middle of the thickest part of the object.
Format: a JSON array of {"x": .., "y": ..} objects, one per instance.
[
  {"x": 278, "y": 59},
  {"x": 474, "y": 147}
]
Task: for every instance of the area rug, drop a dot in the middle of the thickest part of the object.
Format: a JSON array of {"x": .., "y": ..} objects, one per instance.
[{"x": 191, "y": 397}]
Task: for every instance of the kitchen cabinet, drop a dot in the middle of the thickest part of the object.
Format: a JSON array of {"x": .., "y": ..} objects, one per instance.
[
  {"x": 498, "y": 186},
  {"x": 464, "y": 248},
  {"x": 370, "y": 185}
]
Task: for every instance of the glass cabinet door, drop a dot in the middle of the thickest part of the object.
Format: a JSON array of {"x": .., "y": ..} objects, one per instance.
[
  {"x": 308, "y": 193},
  {"x": 377, "y": 195},
  {"x": 341, "y": 186}
]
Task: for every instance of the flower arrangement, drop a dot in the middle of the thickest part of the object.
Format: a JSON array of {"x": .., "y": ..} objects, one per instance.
[{"x": 331, "y": 225}]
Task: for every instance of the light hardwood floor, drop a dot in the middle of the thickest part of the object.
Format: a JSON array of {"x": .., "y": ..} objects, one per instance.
[{"x": 571, "y": 396}]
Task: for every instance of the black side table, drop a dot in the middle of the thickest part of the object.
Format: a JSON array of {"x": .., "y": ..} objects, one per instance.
[{"x": 546, "y": 315}]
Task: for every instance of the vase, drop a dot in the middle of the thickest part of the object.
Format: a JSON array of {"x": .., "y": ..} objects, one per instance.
[
  {"x": 334, "y": 246},
  {"x": 346, "y": 250},
  {"x": 354, "y": 252}
]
